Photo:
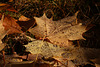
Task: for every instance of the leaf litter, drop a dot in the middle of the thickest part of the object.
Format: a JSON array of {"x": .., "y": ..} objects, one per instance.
[
  {"x": 79, "y": 56},
  {"x": 59, "y": 34},
  {"x": 72, "y": 54}
]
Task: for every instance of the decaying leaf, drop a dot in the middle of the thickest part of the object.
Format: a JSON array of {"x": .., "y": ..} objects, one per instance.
[
  {"x": 2, "y": 33},
  {"x": 58, "y": 32},
  {"x": 11, "y": 25},
  {"x": 25, "y": 23},
  {"x": 44, "y": 48},
  {"x": 79, "y": 56},
  {"x": 2, "y": 30}
]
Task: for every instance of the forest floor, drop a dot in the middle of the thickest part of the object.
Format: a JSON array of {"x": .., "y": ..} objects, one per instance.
[{"x": 89, "y": 11}]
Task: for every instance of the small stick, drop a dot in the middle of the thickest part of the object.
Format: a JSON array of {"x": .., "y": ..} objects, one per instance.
[{"x": 4, "y": 58}]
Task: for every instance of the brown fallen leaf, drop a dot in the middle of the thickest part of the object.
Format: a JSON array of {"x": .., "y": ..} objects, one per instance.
[
  {"x": 23, "y": 18},
  {"x": 2, "y": 30},
  {"x": 7, "y": 7},
  {"x": 2, "y": 33},
  {"x": 11, "y": 25},
  {"x": 58, "y": 32},
  {"x": 79, "y": 56},
  {"x": 25, "y": 23}
]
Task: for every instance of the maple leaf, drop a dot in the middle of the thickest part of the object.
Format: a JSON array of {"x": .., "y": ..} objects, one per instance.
[
  {"x": 59, "y": 32},
  {"x": 79, "y": 56},
  {"x": 44, "y": 48}
]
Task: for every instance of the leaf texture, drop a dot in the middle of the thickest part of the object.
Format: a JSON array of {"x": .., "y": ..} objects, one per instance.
[
  {"x": 79, "y": 56},
  {"x": 59, "y": 32}
]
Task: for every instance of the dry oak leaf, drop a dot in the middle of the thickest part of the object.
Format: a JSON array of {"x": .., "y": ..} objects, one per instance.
[
  {"x": 11, "y": 25},
  {"x": 7, "y": 7},
  {"x": 59, "y": 32}
]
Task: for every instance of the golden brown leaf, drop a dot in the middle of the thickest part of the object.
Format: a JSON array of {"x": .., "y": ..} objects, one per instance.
[
  {"x": 59, "y": 32},
  {"x": 23, "y": 18},
  {"x": 44, "y": 48},
  {"x": 79, "y": 56}
]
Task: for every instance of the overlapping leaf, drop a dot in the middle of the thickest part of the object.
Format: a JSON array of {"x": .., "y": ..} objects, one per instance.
[
  {"x": 44, "y": 48},
  {"x": 78, "y": 55},
  {"x": 11, "y": 25},
  {"x": 25, "y": 23},
  {"x": 2, "y": 33},
  {"x": 59, "y": 32}
]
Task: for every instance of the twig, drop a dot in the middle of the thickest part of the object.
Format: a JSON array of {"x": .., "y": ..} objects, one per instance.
[{"x": 3, "y": 58}]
